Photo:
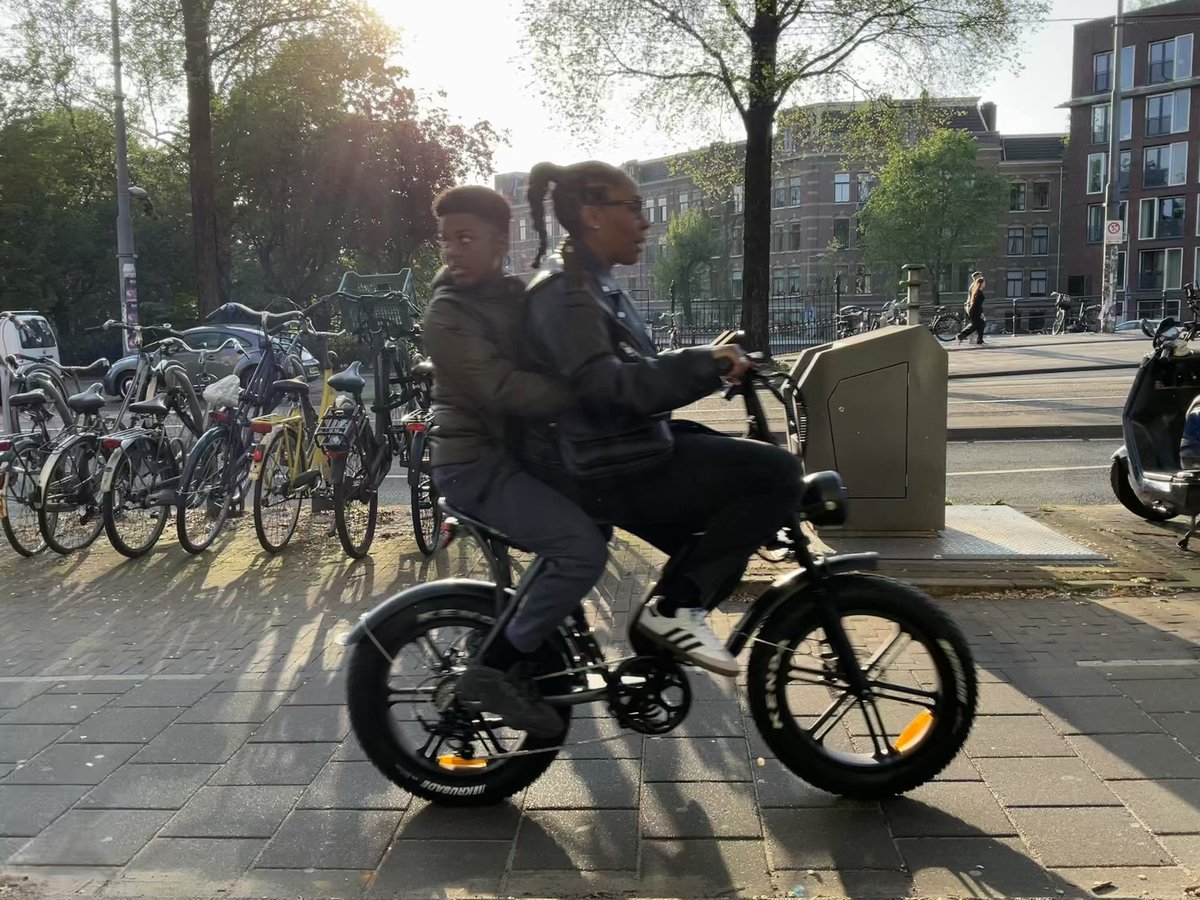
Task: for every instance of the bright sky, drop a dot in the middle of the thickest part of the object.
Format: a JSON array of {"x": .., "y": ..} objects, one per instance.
[{"x": 469, "y": 49}]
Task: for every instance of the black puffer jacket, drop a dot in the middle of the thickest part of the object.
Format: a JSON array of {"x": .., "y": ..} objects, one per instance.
[
  {"x": 473, "y": 336},
  {"x": 596, "y": 340}
]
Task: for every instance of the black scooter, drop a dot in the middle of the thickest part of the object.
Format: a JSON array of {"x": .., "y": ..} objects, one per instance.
[{"x": 1146, "y": 473}]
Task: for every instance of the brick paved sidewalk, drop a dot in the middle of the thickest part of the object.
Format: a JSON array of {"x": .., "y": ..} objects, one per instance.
[{"x": 175, "y": 727}]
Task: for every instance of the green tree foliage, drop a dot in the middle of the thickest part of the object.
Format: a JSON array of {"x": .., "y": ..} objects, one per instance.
[
  {"x": 933, "y": 206},
  {"x": 717, "y": 171},
  {"x": 691, "y": 245},
  {"x": 698, "y": 58}
]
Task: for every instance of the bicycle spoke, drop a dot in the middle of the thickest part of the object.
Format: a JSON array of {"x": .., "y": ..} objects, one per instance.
[
  {"x": 833, "y": 714},
  {"x": 876, "y": 728},
  {"x": 899, "y": 693},
  {"x": 819, "y": 677}
]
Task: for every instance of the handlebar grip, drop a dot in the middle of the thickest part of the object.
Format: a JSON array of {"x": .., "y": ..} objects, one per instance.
[{"x": 724, "y": 365}]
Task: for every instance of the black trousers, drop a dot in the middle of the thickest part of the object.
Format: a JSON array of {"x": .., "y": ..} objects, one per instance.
[
  {"x": 976, "y": 326},
  {"x": 737, "y": 492}
]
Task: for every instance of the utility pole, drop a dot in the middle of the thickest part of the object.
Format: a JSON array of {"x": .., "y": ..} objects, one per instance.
[
  {"x": 126, "y": 265},
  {"x": 1112, "y": 204}
]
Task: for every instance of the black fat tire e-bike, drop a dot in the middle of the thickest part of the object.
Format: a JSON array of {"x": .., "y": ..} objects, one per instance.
[{"x": 859, "y": 684}]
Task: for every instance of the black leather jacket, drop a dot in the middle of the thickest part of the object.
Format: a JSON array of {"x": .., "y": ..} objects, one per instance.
[{"x": 596, "y": 339}]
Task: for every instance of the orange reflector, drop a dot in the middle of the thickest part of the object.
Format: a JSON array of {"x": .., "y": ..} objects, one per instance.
[
  {"x": 459, "y": 762},
  {"x": 914, "y": 732}
]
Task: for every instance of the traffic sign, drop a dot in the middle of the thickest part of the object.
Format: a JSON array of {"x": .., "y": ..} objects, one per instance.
[{"x": 1114, "y": 232}]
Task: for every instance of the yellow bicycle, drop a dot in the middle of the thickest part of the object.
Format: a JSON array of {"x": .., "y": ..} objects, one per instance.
[{"x": 286, "y": 465}]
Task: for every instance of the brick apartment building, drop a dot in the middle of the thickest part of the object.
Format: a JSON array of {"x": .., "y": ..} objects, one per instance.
[
  {"x": 1159, "y": 156},
  {"x": 816, "y": 198}
]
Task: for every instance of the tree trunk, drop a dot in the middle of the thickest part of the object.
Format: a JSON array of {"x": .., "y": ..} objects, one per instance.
[{"x": 198, "y": 70}]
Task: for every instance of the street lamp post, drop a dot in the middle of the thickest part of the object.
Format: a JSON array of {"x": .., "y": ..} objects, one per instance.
[
  {"x": 1112, "y": 203},
  {"x": 126, "y": 258}
]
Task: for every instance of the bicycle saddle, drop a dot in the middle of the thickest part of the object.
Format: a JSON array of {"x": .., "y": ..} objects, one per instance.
[
  {"x": 155, "y": 406},
  {"x": 424, "y": 369},
  {"x": 89, "y": 401},
  {"x": 29, "y": 398},
  {"x": 482, "y": 527},
  {"x": 99, "y": 367},
  {"x": 349, "y": 380},
  {"x": 290, "y": 386}
]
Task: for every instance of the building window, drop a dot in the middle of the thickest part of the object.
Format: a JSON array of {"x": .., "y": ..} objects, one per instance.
[
  {"x": 1126, "y": 119},
  {"x": 1037, "y": 283},
  {"x": 1095, "y": 223},
  {"x": 739, "y": 198},
  {"x": 1165, "y": 165},
  {"x": 841, "y": 187},
  {"x": 1014, "y": 281},
  {"x": 777, "y": 276},
  {"x": 1041, "y": 241},
  {"x": 841, "y": 232},
  {"x": 1161, "y": 217},
  {"x": 684, "y": 201},
  {"x": 1102, "y": 73},
  {"x": 1128, "y": 61},
  {"x": 1100, "y": 119},
  {"x": 1041, "y": 195},
  {"x": 1016, "y": 241},
  {"x": 662, "y": 209},
  {"x": 1121, "y": 276},
  {"x": 866, "y": 184},
  {"x": 779, "y": 244},
  {"x": 794, "y": 280},
  {"x": 1097, "y": 172},
  {"x": 1167, "y": 113},
  {"x": 862, "y": 281},
  {"x": 1170, "y": 60},
  {"x": 524, "y": 228},
  {"x": 1160, "y": 269},
  {"x": 738, "y": 239},
  {"x": 780, "y": 198},
  {"x": 1124, "y": 170},
  {"x": 1016, "y": 196},
  {"x": 793, "y": 191},
  {"x": 794, "y": 236},
  {"x": 735, "y": 284}
]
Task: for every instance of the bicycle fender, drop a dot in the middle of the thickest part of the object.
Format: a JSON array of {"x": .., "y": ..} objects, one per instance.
[
  {"x": 787, "y": 588},
  {"x": 52, "y": 461},
  {"x": 256, "y": 458},
  {"x": 420, "y": 593},
  {"x": 110, "y": 467}
]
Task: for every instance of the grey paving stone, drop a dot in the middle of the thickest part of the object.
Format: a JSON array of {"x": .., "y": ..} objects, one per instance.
[
  {"x": 64, "y": 880},
  {"x": 973, "y": 867},
  {"x": 331, "y": 839},
  {"x": 288, "y": 884},
  {"x": 271, "y": 681},
  {"x": 1185, "y": 848},
  {"x": 27, "y": 809},
  {"x": 1136, "y": 756},
  {"x": 705, "y": 868},
  {"x": 699, "y": 809},
  {"x": 778, "y": 787},
  {"x": 1066, "y": 681},
  {"x": 696, "y": 759},
  {"x": 14, "y": 694},
  {"x": 195, "y": 743},
  {"x": 1097, "y": 715},
  {"x": 309, "y": 724},
  {"x": 101, "y": 837},
  {"x": 587, "y": 784},
  {"x": 1065, "y": 781},
  {"x": 126, "y": 725},
  {"x": 1168, "y": 695},
  {"x": 350, "y": 750},
  {"x": 18, "y": 742},
  {"x": 961, "y": 768},
  {"x": 861, "y": 884},
  {"x": 9, "y": 847},
  {"x": 275, "y": 764},
  {"x": 829, "y": 839},
  {"x": 564, "y": 883},
  {"x": 240, "y": 706},
  {"x": 1002, "y": 699},
  {"x": 55, "y": 709},
  {"x": 167, "y": 692},
  {"x": 1129, "y": 882},
  {"x": 1015, "y": 736},
  {"x": 243, "y": 811},
  {"x": 712, "y": 718},
  {"x": 1168, "y": 806},
  {"x": 430, "y": 822},
  {"x": 153, "y": 786},
  {"x": 947, "y": 810},
  {"x": 186, "y": 867},
  {"x": 1184, "y": 727},
  {"x": 325, "y": 689},
  {"x": 1114, "y": 838},
  {"x": 707, "y": 686},
  {"x": 441, "y": 869},
  {"x": 627, "y": 745},
  {"x": 578, "y": 839},
  {"x": 94, "y": 686},
  {"x": 72, "y": 764},
  {"x": 353, "y": 785}
]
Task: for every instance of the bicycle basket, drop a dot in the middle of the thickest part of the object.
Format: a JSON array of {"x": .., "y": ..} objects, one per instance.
[{"x": 378, "y": 301}]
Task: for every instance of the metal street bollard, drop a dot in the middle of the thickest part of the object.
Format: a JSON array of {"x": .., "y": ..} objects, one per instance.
[{"x": 915, "y": 278}]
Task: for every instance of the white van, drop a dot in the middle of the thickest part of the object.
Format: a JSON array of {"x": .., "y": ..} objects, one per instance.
[{"x": 29, "y": 333}]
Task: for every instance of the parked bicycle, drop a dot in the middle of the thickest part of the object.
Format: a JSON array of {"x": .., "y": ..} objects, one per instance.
[
  {"x": 1068, "y": 318},
  {"x": 362, "y": 451},
  {"x": 21, "y": 459},
  {"x": 216, "y": 475},
  {"x": 947, "y": 322},
  {"x": 830, "y": 679},
  {"x": 666, "y": 334},
  {"x": 852, "y": 320}
]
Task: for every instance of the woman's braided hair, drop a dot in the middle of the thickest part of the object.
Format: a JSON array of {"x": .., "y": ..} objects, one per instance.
[{"x": 574, "y": 188}]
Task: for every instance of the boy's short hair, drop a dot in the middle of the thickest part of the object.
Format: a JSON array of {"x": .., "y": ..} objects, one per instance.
[{"x": 478, "y": 201}]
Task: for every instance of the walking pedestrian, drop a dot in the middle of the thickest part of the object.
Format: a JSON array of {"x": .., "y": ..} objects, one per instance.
[{"x": 975, "y": 298}]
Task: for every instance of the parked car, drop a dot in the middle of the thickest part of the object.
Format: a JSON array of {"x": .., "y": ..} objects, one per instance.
[
  {"x": 209, "y": 337},
  {"x": 28, "y": 333},
  {"x": 1135, "y": 326}
]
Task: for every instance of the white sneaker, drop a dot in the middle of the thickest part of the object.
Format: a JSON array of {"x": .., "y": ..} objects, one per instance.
[{"x": 689, "y": 634}]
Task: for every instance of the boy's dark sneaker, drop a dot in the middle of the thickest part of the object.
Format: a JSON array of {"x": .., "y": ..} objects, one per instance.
[{"x": 511, "y": 695}]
